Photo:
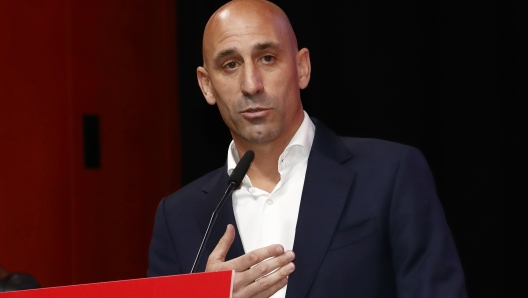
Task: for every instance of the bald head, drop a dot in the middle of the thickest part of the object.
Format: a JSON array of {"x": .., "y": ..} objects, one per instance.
[{"x": 236, "y": 14}]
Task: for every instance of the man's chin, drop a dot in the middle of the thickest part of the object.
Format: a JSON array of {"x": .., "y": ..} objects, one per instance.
[
  {"x": 257, "y": 139},
  {"x": 259, "y": 136}
]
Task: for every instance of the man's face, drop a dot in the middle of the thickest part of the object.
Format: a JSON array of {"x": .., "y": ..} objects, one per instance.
[{"x": 251, "y": 72}]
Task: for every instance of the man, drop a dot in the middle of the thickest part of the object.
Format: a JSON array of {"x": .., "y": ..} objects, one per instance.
[{"x": 317, "y": 215}]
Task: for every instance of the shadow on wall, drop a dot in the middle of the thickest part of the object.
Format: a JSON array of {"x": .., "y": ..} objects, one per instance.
[{"x": 16, "y": 281}]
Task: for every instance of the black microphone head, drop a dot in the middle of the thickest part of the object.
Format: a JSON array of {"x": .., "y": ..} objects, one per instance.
[{"x": 241, "y": 168}]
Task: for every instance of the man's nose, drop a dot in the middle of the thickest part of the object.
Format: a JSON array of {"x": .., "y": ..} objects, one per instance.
[{"x": 251, "y": 80}]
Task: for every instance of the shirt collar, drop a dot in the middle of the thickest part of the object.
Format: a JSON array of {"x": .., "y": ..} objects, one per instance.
[{"x": 302, "y": 139}]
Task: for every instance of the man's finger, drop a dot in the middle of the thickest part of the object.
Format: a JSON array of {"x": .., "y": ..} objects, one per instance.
[
  {"x": 268, "y": 285},
  {"x": 262, "y": 269},
  {"x": 219, "y": 253},
  {"x": 256, "y": 256},
  {"x": 273, "y": 289},
  {"x": 265, "y": 268}
]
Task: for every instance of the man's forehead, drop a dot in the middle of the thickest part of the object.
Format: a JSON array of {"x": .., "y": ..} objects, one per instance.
[
  {"x": 246, "y": 37},
  {"x": 250, "y": 17},
  {"x": 245, "y": 8},
  {"x": 232, "y": 22},
  {"x": 252, "y": 31}
]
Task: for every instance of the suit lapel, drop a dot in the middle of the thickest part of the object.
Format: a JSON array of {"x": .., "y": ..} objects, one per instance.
[
  {"x": 214, "y": 192},
  {"x": 325, "y": 191}
]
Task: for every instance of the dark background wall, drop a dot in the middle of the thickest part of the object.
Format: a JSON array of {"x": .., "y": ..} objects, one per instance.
[{"x": 448, "y": 77}]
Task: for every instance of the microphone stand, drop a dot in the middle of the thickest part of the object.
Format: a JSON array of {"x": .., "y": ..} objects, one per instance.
[
  {"x": 212, "y": 221},
  {"x": 234, "y": 181}
]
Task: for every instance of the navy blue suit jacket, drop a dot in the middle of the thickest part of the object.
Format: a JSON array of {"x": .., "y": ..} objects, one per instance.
[{"x": 370, "y": 224}]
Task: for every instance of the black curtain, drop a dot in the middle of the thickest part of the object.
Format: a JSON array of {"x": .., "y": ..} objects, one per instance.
[{"x": 448, "y": 77}]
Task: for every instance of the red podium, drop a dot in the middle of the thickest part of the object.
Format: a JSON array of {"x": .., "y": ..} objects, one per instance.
[{"x": 211, "y": 284}]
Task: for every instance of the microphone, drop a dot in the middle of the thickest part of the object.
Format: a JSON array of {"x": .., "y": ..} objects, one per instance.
[{"x": 235, "y": 179}]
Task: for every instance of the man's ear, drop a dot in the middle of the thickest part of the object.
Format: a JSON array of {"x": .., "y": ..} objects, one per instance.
[
  {"x": 304, "y": 68},
  {"x": 205, "y": 85}
]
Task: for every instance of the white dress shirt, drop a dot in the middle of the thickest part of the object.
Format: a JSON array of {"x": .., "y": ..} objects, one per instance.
[{"x": 270, "y": 218}]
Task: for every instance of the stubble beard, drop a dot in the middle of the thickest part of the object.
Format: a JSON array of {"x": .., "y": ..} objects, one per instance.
[
  {"x": 260, "y": 133},
  {"x": 259, "y": 130}
]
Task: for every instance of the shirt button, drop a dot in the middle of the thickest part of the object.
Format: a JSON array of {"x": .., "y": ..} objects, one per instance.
[{"x": 269, "y": 201}]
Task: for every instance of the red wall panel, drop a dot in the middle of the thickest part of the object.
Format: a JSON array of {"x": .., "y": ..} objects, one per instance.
[
  {"x": 35, "y": 222},
  {"x": 59, "y": 60}
]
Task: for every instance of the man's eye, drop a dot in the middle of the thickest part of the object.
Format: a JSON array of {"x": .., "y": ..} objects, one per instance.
[
  {"x": 268, "y": 58},
  {"x": 230, "y": 65}
]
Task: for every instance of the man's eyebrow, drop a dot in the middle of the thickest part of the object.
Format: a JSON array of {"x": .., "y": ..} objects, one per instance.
[
  {"x": 257, "y": 47},
  {"x": 265, "y": 46},
  {"x": 224, "y": 53}
]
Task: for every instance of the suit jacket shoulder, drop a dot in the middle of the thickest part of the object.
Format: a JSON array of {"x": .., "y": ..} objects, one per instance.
[
  {"x": 371, "y": 225},
  {"x": 192, "y": 192}
]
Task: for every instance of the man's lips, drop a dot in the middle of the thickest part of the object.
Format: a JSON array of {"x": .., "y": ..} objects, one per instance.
[{"x": 255, "y": 112}]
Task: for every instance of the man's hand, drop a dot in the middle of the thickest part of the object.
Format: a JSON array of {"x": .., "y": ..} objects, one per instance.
[{"x": 253, "y": 281}]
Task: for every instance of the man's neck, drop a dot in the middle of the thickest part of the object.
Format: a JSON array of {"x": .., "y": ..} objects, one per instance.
[{"x": 264, "y": 173}]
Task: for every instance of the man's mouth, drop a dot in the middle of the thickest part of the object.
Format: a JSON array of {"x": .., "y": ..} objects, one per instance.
[
  {"x": 255, "y": 113},
  {"x": 254, "y": 110}
]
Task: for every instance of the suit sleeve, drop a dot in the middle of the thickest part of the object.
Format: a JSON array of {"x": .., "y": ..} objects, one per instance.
[
  {"x": 162, "y": 253},
  {"x": 424, "y": 256}
]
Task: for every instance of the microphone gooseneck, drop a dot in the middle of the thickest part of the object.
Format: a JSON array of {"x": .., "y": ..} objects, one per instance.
[
  {"x": 241, "y": 168},
  {"x": 235, "y": 179}
]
